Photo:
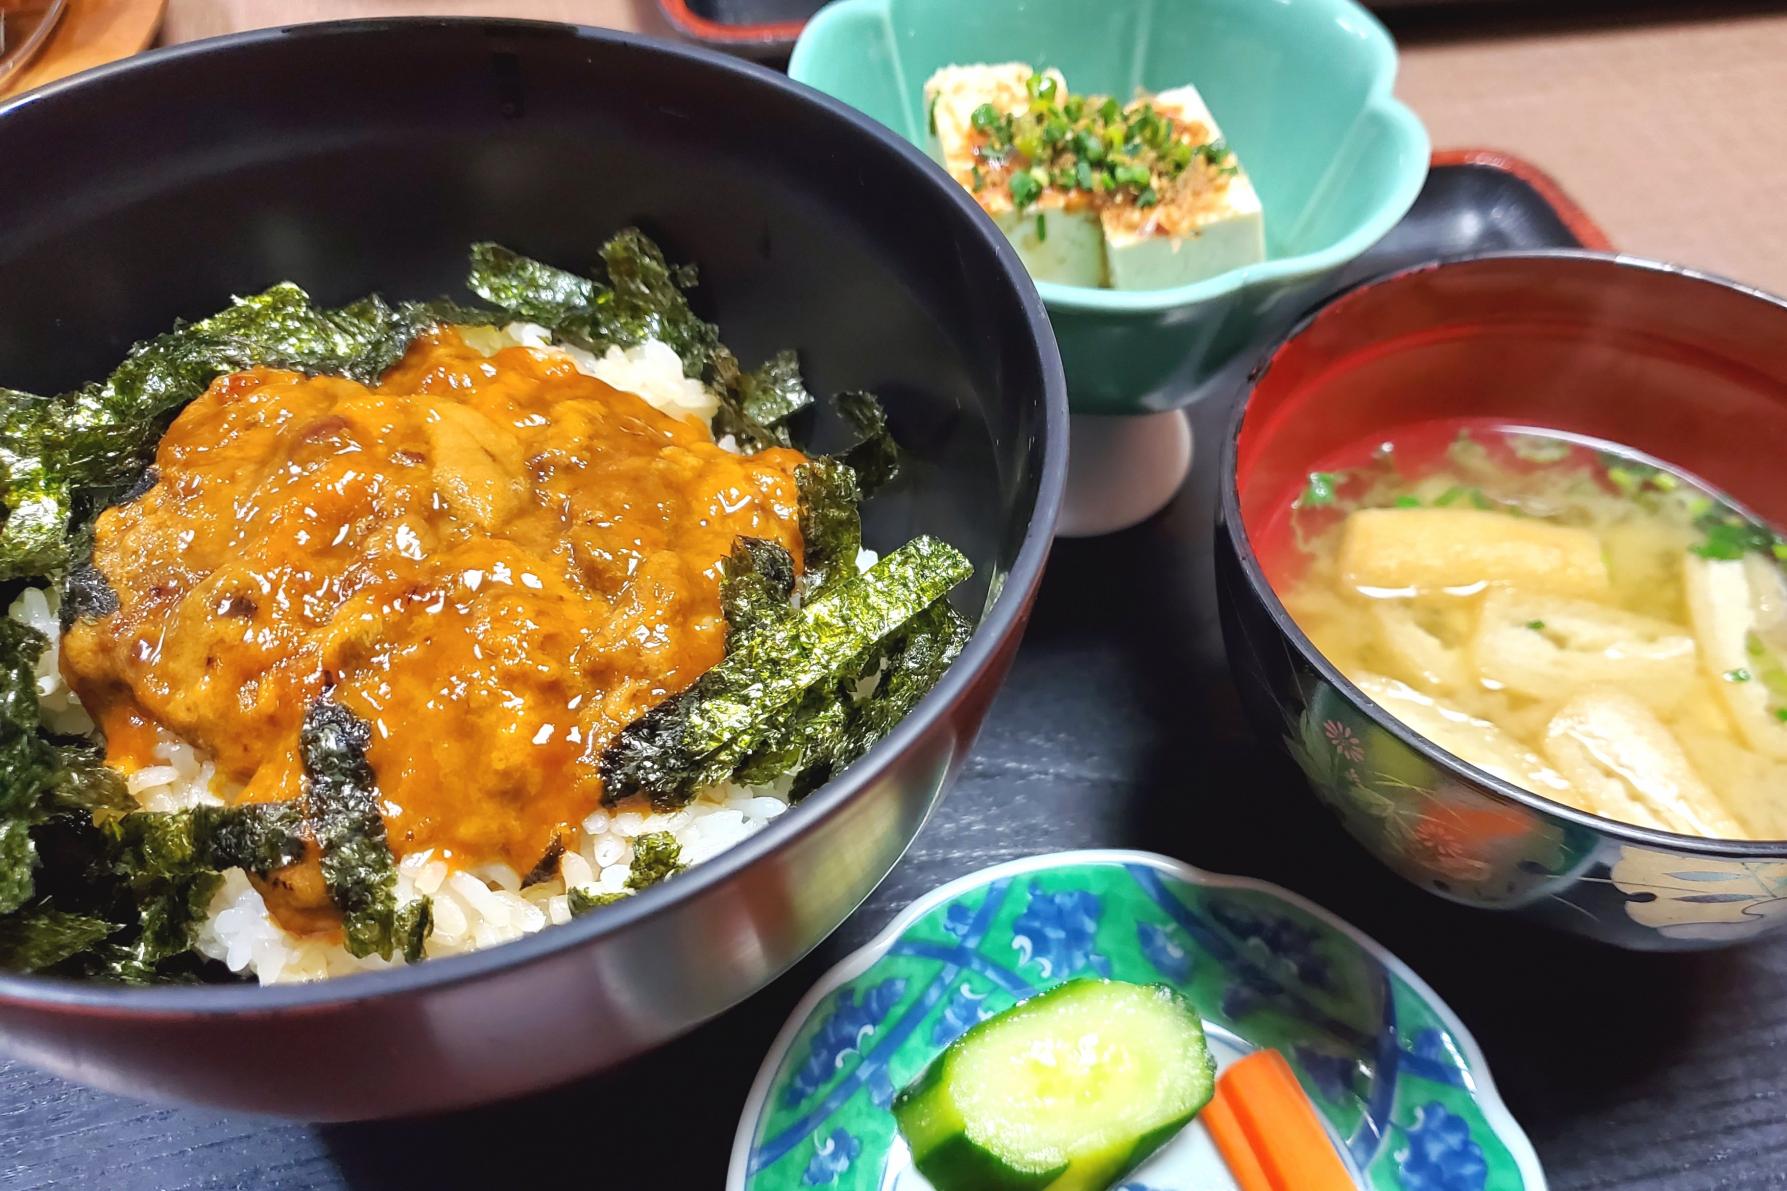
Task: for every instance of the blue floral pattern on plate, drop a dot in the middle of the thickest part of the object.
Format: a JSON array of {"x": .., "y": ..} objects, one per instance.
[
  {"x": 831, "y": 1158},
  {"x": 1055, "y": 933},
  {"x": 843, "y": 1030},
  {"x": 1398, "y": 1082},
  {"x": 1171, "y": 960},
  {"x": 1440, "y": 1154}
]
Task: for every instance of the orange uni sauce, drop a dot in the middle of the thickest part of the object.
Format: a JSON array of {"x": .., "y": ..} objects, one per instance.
[{"x": 497, "y": 562}]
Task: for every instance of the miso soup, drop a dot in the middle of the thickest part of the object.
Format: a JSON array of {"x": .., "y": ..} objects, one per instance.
[{"x": 1575, "y": 619}]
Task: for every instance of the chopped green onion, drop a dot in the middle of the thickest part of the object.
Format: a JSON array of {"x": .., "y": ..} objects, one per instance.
[
  {"x": 1213, "y": 152},
  {"x": 1147, "y": 198},
  {"x": 1024, "y": 189},
  {"x": 1042, "y": 228},
  {"x": 984, "y": 117},
  {"x": 979, "y": 179},
  {"x": 932, "y": 114},
  {"x": 1626, "y": 480},
  {"x": 1321, "y": 490},
  {"x": 1110, "y": 110},
  {"x": 1082, "y": 175},
  {"x": 1408, "y": 502},
  {"x": 1738, "y": 675},
  {"x": 1537, "y": 626}
]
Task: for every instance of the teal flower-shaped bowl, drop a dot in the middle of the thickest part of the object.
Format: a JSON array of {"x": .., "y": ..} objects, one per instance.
[
  {"x": 1401, "y": 1086},
  {"x": 1301, "y": 89}
]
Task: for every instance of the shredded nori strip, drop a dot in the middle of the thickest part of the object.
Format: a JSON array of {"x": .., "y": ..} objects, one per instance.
[
  {"x": 18, "y": 857},
  {"x": 645, "y": 301},
  {"x": 257, "y": 836},
  {"x": 27, "y": 760},
  {"x": 656, "y": 857},
  {"x": 169, "y": 913},
  {"x": 86, "y": 593},
  {"x": 804, "y": 738},
  {"x": 415, "y": 921},
  {"x": 925, "y": 650},
  {"x": 582, "y": 900},
  {"x": 875, "y": 457},
  {"x": 165, "y": 875},
  {"x": 671, "y": 751},
  {"x": 775, "y": 392},
  {"x": 830, "y": 527},
  {"x": 43, "y": 937},
  {"x": 36, "y": 502},
  {"x": 526, "y": 288},
  {"x": 546, "y": 867},
  {"x": 85, "y": 784},
  {"x": 756, "y": 588},
  {"x": 147, "y": 876},
  {"x": 833, "y": 725},
  {"x": 342, "y": 808}
]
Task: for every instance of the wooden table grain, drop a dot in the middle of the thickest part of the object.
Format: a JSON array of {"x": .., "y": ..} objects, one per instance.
[{"x": 1631, "y": 1072}]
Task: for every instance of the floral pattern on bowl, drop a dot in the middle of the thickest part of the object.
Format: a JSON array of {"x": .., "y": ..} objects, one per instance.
[
  {"x": 1401, "y": 1086},
  {"x": 1469, "y": 845}
]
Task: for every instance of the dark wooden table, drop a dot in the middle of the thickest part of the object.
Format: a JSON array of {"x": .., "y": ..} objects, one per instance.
[{"x": 1118, "y": 727}]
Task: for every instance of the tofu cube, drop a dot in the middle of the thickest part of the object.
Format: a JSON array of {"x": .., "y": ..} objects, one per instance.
[
  {"x": 952, "y": 94},
  {"x": 1205, "y": 227},
  {"x": 1056, "y": 242},
  {"x": 1058, "y": 237}
]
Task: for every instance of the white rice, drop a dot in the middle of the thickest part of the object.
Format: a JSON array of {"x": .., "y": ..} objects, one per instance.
[
  {"x": 59, "y": 706},
  {"x": 473, "y": 909},
  {"x": 651, "y": 370}
]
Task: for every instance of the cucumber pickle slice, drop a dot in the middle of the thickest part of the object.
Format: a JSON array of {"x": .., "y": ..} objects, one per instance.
[{"x": 1067, "y": 1091}]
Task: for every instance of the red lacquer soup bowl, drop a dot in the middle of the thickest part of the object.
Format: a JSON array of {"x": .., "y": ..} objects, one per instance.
[{"x": 1687, "y": 368}]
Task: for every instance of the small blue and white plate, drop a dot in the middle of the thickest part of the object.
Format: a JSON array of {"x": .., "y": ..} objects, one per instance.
[{"x": 1401, "y": 1085}]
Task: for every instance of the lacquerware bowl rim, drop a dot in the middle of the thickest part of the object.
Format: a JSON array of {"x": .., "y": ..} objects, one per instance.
[
  {"x": 1229, "y": 514},
  {"x": 1495, "y": 1110},
  {"x": 1403, "y": 123},
  {"x": 1002, "y": 621}
]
